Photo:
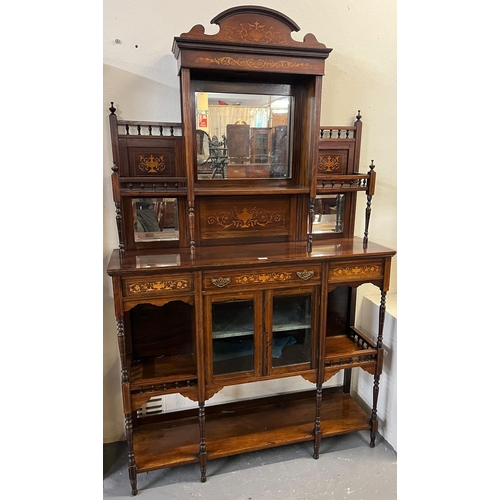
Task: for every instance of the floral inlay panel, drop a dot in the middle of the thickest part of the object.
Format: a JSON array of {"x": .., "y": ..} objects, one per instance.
[
  {"x": 250, "y": 62},
  {"x": 366, "y": 271},
  {"x": 255, "y": 32},
  {"x": 151, "y": 165},
  {"x": 157, "y": 286},
  {"x": 263, "y": 278},
  {"x": 329, "y": 163},
  {"x": 245, "y": 218}
]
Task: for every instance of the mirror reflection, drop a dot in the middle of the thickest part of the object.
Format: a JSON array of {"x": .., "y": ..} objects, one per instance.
[
  {"x": 241, "y": 136},
  {"x": 329, "y": 214},
  {"x": 155, "y": 219}
]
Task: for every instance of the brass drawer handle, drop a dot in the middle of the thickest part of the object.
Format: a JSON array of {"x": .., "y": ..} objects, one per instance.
[
  {"x": 305, "y": 275},
  {"x": 220, "y": 282}
]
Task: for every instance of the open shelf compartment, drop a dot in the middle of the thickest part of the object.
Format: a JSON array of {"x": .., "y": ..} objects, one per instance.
[
  {"x": 162, "y": 370},
  {"x": 246, "y": 426}
]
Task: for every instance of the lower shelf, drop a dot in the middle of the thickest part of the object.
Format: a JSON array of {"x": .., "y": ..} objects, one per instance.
[{"x": 245, "y": 426}]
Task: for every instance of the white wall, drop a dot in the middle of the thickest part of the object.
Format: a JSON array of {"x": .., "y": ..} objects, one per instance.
[{"x": 140, "y": 77}]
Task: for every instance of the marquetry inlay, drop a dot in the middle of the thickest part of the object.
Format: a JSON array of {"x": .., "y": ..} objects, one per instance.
[
  {"x": 151, "y": 165},
  {"x": 263, "y": 278},
  {"x": 329, "y": 163},
  {"x": 250, "y": 62},
  {"x": 357, "y": 271},
  {"x": 255, "y": 32},
  {"x": 305, "y": 275},
  {"x": 244, "y": 219},
  {"x": 157, "y": 286}
]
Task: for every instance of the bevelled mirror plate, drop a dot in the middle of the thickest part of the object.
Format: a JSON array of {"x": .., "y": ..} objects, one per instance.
[
  {"x": 329, "y": 214},
  {"x": 243, "y": 136},
  {"x": 155, "y": 219}
]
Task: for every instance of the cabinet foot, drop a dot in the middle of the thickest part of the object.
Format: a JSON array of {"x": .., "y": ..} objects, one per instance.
[{"x": 373, "y": 431}]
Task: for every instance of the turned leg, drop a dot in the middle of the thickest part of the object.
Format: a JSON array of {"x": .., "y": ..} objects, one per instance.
[
  {"x": 317, "y": 423},
  {"x": 132, "y": 469},
  {"x": 203, "y": 446},
  {"x": 374, "y": 419},
  {"x": 380, "y": 360}
]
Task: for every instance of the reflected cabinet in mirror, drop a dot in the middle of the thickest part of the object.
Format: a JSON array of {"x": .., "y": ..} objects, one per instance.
[
  {"x": 329, "y": 214},
  {"x": 155, "y": 219},
  {"x": 241, "y": 136}
]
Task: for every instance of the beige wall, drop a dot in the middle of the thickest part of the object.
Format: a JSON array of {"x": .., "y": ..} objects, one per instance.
[{"x": 140, "y": 77}]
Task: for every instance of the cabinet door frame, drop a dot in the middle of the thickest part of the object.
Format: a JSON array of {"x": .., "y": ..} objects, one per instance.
[
  {"x": 295, "y": 369},
  {"x": 241, "y": 377}
]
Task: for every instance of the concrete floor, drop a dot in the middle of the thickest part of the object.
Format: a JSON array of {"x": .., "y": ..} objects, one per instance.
[{"x": 346, "y": 469}]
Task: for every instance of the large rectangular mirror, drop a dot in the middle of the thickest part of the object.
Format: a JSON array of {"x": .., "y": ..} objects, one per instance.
[{"x": 242, "y": 136}]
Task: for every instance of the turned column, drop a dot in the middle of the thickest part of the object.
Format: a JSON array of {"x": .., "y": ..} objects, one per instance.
[
  {"x": 317, "y": 426},
  {"x": 203, "y": 446},
  {"x": 378, "y": 371}
]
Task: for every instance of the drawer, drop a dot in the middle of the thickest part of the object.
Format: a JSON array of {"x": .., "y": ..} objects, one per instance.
[
  {"x": 258, "y": 277},
  {"x": 157, "y": 286},
  {"x": 355, "y": 270}
]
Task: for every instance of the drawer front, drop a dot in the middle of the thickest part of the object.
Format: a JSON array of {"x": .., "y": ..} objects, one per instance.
[
  {"x": 249, "y": 278},
  {"x": 355, "y": 271},
  {"x": 157, "y": 286}
]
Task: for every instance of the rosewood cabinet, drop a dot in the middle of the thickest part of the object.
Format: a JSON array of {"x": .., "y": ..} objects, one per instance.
[{"x": 240, "y": 268}]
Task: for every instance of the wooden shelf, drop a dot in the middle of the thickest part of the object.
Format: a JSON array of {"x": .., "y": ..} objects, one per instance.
[
  {"x": 166, "y": 444},
  {"x": 344, "y": 352},
  {"x": 343, "y": 346},
  {"x": 244, "y": 427},
  {"x": 165, "y": 369}
]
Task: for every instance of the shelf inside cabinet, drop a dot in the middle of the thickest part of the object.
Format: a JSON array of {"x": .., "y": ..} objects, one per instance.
[
  {"x": 227, "y": 324},
  {"x": 162, "y": 370}
]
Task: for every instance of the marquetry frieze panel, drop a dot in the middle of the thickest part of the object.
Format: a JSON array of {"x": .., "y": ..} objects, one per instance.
[
  {"x": 355, "y": 271},
  {"x": 161, "y": 285},
  {"x": 258, "y": 63},
  {"x": 260, "y": 277},
  {"x": 241, "y": 217}
]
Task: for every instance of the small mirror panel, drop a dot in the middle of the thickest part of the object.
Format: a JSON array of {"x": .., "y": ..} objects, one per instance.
[
  {"x": 329, "y": 214},
  {"x": 155, "y": 219},
  {"x": 242, "y": 136}
]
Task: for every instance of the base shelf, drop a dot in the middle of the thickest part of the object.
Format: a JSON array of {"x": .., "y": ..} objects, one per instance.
[{"x": 242, "y": 427}]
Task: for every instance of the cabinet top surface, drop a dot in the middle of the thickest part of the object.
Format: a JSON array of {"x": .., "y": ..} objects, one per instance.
[{"x": 227, "y": 256}]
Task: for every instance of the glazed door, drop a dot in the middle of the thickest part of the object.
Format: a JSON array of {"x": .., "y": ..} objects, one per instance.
[
  {"x": 234, "y": 336},
  {"x": 291, "y": 321}
]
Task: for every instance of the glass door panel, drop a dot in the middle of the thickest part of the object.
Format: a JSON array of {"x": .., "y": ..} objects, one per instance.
[
  {"x": 291, "y": 340},
  {"x": 233, "y": 336}
]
